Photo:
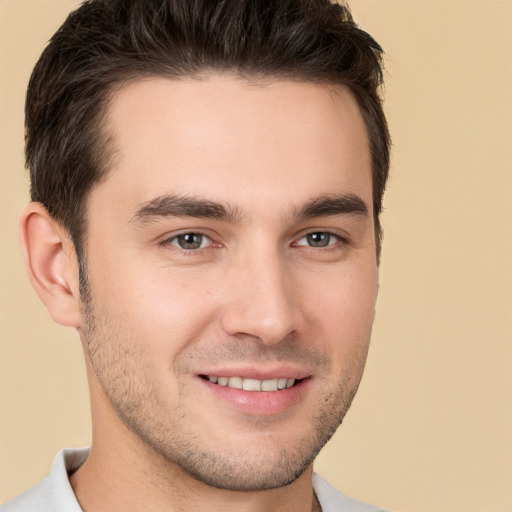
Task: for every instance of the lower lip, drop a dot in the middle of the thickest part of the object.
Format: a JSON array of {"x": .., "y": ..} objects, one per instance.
[{"x": 260, "y": 403}]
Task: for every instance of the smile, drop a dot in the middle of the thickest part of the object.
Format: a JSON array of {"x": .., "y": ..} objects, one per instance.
[{"x": 252, "y": 384}]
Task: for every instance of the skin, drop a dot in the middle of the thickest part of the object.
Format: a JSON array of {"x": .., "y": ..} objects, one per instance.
[{"x": 257, "y": 297}]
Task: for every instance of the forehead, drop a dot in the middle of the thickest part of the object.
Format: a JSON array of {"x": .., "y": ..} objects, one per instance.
[{"x": 224, "y": 137}]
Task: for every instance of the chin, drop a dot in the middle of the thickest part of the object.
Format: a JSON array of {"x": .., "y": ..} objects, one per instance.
[
  {"x": 260, "y": 461},
  {"x": 246, "y": 472}
]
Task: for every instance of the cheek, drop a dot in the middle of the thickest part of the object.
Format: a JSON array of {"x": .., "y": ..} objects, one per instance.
[
  {"x": 344, "y": 309},
  {"x": 159, "y": 307}
]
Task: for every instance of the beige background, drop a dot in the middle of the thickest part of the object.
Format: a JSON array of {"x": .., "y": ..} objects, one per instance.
[{"x": 431, "y": 429}]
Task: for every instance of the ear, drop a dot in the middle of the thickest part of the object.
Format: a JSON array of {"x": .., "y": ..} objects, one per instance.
[{"x": 51, "y": 263}]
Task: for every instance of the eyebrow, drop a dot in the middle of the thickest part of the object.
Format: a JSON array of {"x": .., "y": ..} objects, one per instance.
[
  {"x": 330, "y": 205},
  {"x": 191, "y": 206},
  {"x": 185, "y": 206}
]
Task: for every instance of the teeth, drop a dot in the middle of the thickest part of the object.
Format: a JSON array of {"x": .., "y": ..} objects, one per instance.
[
  {"x": 253, "y": 384},
  {"x": 269, "y": 385},
  {"x": 281, "y": 383},
  {"x": 235, "y": 382}
]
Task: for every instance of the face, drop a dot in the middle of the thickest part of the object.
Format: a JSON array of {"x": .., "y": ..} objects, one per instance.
[{"x": 232, "y": 274}]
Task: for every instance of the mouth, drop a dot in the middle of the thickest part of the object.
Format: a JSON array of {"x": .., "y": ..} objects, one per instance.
[
  {"x": 246, "y": 384},
  {"x": 258, "y": 391}
]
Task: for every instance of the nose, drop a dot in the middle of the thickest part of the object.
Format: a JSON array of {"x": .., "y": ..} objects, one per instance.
[{"x": 262, "y": 303}]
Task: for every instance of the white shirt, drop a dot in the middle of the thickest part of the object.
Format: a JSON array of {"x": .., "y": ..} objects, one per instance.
[{"x": 54, "y": 493}]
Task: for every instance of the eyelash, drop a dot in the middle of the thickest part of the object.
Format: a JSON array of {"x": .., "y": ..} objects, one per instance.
[
  {"x": 174, "y": 238},
  {"x": 330, "y": 247},
  {"x": 199, "y": 250}
]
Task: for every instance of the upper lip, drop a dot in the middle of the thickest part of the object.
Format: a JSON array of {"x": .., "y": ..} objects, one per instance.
[{"x": 258, "y": 373}]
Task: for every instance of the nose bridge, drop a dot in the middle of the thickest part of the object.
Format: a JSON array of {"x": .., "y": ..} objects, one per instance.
[{"x": 262, "y": 304}]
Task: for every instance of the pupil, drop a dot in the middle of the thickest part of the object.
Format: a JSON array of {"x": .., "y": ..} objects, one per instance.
[
  {"x": 318, "y": 239},
  {"x": 190, "y": 241}
]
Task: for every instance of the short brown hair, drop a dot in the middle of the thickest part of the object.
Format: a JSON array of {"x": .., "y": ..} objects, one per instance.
[{"x": 106, "y": 43}]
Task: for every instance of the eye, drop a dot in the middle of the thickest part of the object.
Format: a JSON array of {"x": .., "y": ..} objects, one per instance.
[
  {"x": 190, "y": 241},
  {"x": 319, "y": 239}
]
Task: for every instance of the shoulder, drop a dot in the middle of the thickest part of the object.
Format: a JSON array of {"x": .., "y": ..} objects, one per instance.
[
  {"x": 332, "y": 500},
  {"x": 54, "y": 493},
  {"x": 38, "y": 498}
]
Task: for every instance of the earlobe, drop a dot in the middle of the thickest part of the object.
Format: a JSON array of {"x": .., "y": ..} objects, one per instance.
[{"x": 51, "y": 264}]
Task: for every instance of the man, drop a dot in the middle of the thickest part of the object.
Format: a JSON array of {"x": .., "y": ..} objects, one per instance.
[{"x": 207, "y": 178}]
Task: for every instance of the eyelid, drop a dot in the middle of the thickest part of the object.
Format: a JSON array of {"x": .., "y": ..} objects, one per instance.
[
  {"x": 169, "y": 239},
  {"x": 205, "y": 241},
  {"x": 339, "y": 238}
]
